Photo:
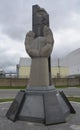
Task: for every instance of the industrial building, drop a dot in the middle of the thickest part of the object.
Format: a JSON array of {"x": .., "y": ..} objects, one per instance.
[
  {"x": 72, "y": 60},
  {"x": 23, "y": 69},
  {"x": 68, "y": 66}
]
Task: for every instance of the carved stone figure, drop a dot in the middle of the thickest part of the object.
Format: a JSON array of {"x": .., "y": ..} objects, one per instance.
[
  {"x": 39, "y": 49},
  {"x": 40, "y": 46}
]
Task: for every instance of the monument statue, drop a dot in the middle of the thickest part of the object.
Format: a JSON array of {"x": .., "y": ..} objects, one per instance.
[
  {"x": 39, "y": 49},
  {"x": 40, "y": 102},
  {"x": 40, "y": 46}
]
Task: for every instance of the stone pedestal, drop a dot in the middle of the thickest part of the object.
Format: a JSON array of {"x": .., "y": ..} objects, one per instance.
[
  {"x": 44, "y": 105},
  {"x": 39, "y": 75},
  {"x": 40, "y": 104}
]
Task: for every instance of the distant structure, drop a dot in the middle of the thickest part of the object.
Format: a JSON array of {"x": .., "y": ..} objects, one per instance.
[
  {"x": 10, "y": 75},
  {"x": 68, "y": 66},
  {"x": 2, "y": 73},
  {"x": 23, "y": 69},
  {"x": 72, "y": 61}
]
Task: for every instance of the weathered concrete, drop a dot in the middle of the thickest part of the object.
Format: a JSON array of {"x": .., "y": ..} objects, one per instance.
[
  {"x": 15, "y": 106},
  {"x": 73, "y": 123},
  {"x": 39, "y": 75},
  {"x": 41, "y": 105}
]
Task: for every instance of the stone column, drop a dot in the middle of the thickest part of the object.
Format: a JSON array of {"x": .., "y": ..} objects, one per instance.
[{"x": 39, "y": 75}]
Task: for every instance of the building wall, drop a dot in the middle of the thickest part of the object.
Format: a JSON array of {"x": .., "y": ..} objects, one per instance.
[
  {"x": 24, "y": 72},
  {"x": 25, "y": 81},
  {"x": 74, "y": 70},
  {"x": 59, "y": 71}
]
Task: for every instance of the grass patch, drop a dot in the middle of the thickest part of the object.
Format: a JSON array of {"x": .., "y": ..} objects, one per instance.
[
  {"x": 12, "y": 87},
  {"x": 24, "y": 87},
  {"x": 67, "y": 86},
  {"x": 75, "y": 99},
  {"x": 61, "y": 86},
  {"x": 6, "y": 100}
]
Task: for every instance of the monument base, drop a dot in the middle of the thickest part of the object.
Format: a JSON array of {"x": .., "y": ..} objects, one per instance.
[{"x": 44, "y": 105}]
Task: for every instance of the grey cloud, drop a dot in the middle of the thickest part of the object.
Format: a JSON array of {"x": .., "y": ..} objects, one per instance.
[
  {"x": 60, "y": 16},
  {"x": 16, "y": 20},
  {"x": 7, "y": 62},
  {"x": 15, "y": 32},
  {"x": 15, "y": 17}
]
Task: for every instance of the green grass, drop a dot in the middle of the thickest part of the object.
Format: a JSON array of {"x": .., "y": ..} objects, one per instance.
[
  {"x": 12, "y": 87},
  {"x": 23, "y": 87},
  {"x": 61, "y": 86},
  {"x": 6, "y": 99},
  {"x": 75, "y": 99},
  {"x": 78, "y": 86}
]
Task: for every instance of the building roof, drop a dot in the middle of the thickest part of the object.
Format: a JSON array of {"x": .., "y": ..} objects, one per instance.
[{"x": 72, "y": 59}]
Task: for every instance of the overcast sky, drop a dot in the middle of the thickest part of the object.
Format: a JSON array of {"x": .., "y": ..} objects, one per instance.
[{"x": 16, "y": 21}]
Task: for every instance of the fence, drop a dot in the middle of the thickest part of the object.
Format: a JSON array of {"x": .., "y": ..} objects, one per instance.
[
  {"x": 23, "y": 82},
  {"x": 66, "y": 82},
  {"x": 13, "y": 82}
]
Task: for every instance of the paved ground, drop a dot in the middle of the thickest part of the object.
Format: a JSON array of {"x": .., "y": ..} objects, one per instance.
[
  {"x": 71, "y": 91},
  {"x": 11, "y": 93},
  {"x": 73, "y": 123},
  {"x": 8, "y": 93}
]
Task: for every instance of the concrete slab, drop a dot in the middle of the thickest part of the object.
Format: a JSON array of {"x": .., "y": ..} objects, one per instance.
[
  {"x": 30, "y": 111},
  {"x": 72, "y": 124},
  {"x": 53, "y": 110},
  {"x": 15, "y": 106},
  {"x": 39, "y": 106}
]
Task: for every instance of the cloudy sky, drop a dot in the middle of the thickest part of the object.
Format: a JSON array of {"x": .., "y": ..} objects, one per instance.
[{"x": 16, "y": 21}]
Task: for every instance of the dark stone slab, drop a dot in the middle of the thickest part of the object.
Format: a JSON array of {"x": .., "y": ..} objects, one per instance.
[
  {"x": 52, "y": 109},
  {"x": 33, "y": 109},
  {"x": 63, "y": 105},
  {"x": 40, "y": 18},
  {"x": 67, "y": 102},
  {"x": 15, "y": 106}
]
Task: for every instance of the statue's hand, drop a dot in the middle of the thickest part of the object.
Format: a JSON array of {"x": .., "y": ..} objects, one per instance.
[
  {"x": 47, "y": 49},
  {"x": 40, "y": 46},
  {"x": 29, "y": 46},
  {"x": 28, "y": 40}
]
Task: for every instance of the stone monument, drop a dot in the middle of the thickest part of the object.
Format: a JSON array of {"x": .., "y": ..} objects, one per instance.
[{"x": 40, "y": 102}]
